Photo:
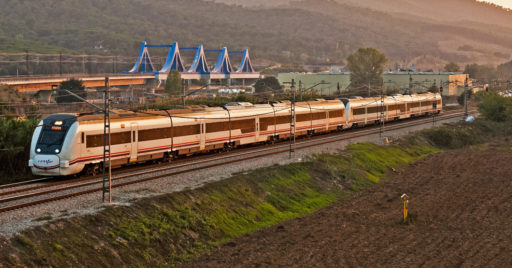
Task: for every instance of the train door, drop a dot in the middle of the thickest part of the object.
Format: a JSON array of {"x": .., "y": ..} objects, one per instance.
[
  {"x": 202, "y": 139},
  {"x": 134, "y": 142}
]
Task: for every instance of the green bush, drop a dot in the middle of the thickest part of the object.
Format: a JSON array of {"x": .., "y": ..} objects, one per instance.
[
  {"x": 451, "y": 137},
  {"x": 15, "y": 138},
  {"x": 495, "y": 107},
  {"x": 460, "y": 99}
]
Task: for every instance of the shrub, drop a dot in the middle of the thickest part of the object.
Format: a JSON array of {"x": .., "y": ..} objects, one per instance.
[
  {"x": 15, "y": 138},
  {"x": 460, "y": 99},
  {"x": 495, "y": 107}
]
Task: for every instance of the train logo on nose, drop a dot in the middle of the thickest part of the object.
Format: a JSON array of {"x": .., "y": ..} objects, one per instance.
[{"x": 45, "y": 161}]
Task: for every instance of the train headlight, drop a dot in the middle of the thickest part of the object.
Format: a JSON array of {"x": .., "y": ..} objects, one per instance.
[
  {"x": 57, "y": 150},
  {"x": 38, "y": 150}
]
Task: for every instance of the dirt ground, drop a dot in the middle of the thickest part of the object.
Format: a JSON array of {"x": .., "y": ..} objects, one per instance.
[{"x": 462, "y": 201}]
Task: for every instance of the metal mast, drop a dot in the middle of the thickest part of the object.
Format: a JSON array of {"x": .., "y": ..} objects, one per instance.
[
  {"x": 292, "y": 118},
  {"x": 466, "y": 85},
  {"x": 292, "y": 121},
  {"x": 107, "y": 174}
]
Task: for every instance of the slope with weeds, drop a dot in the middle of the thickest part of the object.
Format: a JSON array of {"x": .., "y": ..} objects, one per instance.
[{"x": 170, "y": 228}]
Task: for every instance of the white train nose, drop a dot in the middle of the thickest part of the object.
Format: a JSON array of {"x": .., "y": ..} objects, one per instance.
[{"x": 46, "y": 164}]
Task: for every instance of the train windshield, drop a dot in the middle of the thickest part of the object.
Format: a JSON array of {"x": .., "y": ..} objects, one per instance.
[
  {"x": 52, "y": 137},
  {"x": 53, "y": 133}
]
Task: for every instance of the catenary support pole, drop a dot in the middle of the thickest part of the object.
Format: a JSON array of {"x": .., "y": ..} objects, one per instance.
[{"x": 107, "y": 159}]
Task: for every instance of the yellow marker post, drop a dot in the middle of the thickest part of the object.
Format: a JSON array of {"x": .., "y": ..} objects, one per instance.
[{"x": 405, "y": 199}]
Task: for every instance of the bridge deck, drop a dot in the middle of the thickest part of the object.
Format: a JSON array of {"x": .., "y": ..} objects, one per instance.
[{"x": 42, "y": 83}]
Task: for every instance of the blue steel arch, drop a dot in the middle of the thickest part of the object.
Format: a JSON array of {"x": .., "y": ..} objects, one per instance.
[
  {"x": 223, "y": 64},
  {"x": 199, "y": 64},
  {"x": 173, "y": 61},
  {"x": 143, "y": 61},
  {"x": 245, "y": 65}
]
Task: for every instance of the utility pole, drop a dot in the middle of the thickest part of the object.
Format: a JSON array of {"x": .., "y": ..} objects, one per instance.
[
  {"x": 26, "y": 62},
  {"x": 466, "y": 85},
  {"x": 369, "y": 88},
  {"x": 107, "y": 174},
  {"x": 292, "y": 118},
  {"x": 60, "y": 63},
  {"x": 410, "y": 84},
  {"x": 292, "y": 121},
  {"x": 300, "y": 90},
  {"x": 382, "y": 119},
  {"x": 183, "y": 92},
  {"x": 83, "y": 64}
]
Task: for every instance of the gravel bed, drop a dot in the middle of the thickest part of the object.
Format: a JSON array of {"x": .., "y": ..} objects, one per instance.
[{"x": 15, "y": 221}]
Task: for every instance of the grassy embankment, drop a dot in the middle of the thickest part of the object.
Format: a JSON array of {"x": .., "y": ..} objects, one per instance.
[{"x": 167, "y": 229}]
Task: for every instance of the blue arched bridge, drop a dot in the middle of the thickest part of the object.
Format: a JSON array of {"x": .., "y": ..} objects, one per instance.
[{"x": 199, "y": 69}]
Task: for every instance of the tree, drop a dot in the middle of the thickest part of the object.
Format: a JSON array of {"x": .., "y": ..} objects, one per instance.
[
  {"x": 269, "y": 83},
  {"x": 452, "y": 67},
  {"x": 495, "y": 107},
  {"x": 73, "y": 85},
  {"x": 173, "y": 83},
  {"x": 483, "y": 73},
  {"x": 505, "y": 71},
  {"x": 366, "y": 66}
]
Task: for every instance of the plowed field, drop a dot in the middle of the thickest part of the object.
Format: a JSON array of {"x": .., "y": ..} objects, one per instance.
[{"x": 461, "y": 201}]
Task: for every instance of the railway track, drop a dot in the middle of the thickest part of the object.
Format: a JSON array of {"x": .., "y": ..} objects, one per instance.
[{"x": 24, "y": 194}]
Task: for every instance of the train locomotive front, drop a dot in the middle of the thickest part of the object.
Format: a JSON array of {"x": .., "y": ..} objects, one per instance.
[{"x": 51, "y": 146}]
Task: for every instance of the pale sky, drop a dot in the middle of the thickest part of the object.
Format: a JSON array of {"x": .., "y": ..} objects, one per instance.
[{"x": 504, "y": 3}]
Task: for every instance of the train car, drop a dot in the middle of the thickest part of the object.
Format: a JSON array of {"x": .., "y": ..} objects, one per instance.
[
  {"x": 65, "y": 144},
  {"x": 423, "y": 104},
  {"x": 364, "y": 111}
]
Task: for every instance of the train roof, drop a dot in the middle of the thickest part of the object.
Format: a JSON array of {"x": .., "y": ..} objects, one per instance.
[{"x": 359, "y": 101}]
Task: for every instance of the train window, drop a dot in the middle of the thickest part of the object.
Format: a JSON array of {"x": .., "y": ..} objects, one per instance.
[
  {"x": 414, "y": 105},
  {"x": 283, "y": 119},
  {"x": 426, "y": 103},
  {"x": 318, "y": 116},
  {"x": 265, "y": 122},
  {"x": 133, "y": 136},
  {"x": 372, "y": 110},
  {"x": 115, "y": 138},
  {"x": 120, "y": 138},
  {"x": 303, "y": 117},
  {"x": 216, "y": 127},
  {"x": 338, "y": 113},
  {"x": 94, "y": 140},
  {"x": 187, "y": 130},
  {"x": 154, "y": 134},
  {"x": 82, "y": 139},
  {"x": 245, "y": 126},
  {"x": 359, "y": 111},
  {"x": 394, "y": 107}
]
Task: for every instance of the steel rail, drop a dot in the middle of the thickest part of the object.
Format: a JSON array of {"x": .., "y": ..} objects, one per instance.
[
  {"x": 209, "y": 158},
  {"x": 304, "y": 144}
]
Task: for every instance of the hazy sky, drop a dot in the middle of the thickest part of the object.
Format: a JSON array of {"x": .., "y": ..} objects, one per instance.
[{"x": 504, "y": 3}]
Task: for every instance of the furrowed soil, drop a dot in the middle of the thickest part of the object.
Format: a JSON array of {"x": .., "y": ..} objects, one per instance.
[{"x": 461, "y": 206}]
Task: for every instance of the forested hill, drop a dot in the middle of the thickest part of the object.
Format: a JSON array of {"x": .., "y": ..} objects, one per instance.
[{"x": 311, "y": 31}]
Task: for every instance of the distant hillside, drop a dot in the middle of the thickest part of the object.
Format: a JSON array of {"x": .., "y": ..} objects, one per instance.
[{"x": 428, "y": 33}]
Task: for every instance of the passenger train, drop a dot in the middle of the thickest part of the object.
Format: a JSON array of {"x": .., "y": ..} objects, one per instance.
[{"x": 66, "y": 144}]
